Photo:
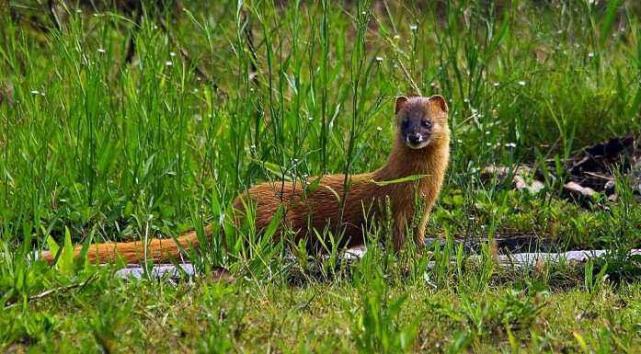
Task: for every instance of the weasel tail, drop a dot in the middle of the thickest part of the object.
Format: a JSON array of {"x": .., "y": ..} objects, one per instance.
[
  {"x": 414, "y": 171},
  {"x": 156, "y": 250}
]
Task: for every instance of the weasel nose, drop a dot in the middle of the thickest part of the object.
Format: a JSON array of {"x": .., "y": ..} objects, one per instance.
[{"x": 415, "y": 138}]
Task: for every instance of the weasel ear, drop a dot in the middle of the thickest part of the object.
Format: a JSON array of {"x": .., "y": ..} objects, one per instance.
[
  {"x": 440, "y": 102},
  {"x": 400, "y": 102}
]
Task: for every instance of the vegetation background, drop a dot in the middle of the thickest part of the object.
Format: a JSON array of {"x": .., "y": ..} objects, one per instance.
[{"x": 120, "y": 121}]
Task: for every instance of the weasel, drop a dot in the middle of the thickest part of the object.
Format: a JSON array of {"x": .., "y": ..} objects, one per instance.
[{"x": 420, "y": 150}]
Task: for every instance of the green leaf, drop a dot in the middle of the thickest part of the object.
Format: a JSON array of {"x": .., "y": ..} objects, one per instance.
[
  {"x": 313, "y": 187},
  {"x": 82, "y": 258},
  {"x": 271, "y": 229},
  {"x": 53, "y": 246},
  {"x": 608, "y": 22},
  {"x": 406, "y": 179},
  {"x": 274, "y": 169},
  {"x": 65, "y": 263}
]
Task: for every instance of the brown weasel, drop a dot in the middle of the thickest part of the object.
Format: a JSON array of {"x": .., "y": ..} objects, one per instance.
[{"x": 421, "y": 148}]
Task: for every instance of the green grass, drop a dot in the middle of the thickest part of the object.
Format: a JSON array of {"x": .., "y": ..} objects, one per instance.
[{"x": 116, "y": 151}]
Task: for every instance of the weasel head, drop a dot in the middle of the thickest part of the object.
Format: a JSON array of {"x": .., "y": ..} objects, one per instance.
[{"x": 421, "y": 121}]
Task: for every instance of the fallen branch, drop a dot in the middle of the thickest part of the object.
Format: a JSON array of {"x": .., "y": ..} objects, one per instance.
[{"x": 54, "y": 291}]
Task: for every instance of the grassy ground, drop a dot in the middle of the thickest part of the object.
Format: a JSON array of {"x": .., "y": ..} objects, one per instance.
[{"x": 110, "y": 150}]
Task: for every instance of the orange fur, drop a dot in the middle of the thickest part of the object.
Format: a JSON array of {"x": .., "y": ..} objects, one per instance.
[{"x": 321, "y": 208}]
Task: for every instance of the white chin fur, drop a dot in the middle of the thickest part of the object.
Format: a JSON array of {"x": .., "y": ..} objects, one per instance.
[{"x": 419, "y": 146}]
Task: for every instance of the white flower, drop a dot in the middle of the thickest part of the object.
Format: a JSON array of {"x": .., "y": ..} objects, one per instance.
[
  {"x": 413, "y": 28},
  {"x": 102, "y": 50},
  {"x": 172, "y": 54},
  {"x": 35, "y": 92},
  {"x": 379, "y": 59},
  {"x": 379, "y": 129},
  {"x": 521, "y": 82},
  {"x": 169, "y": 63},
  {"x": 510, "y": 145},
  {"x": 591, "y": 55}
]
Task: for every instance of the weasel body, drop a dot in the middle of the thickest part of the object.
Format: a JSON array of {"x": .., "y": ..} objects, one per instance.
[{"x": 421, "y": 148}]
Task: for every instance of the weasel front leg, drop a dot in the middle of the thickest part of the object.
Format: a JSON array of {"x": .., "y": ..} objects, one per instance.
[
  {"x": 398, "y": 234},
  {"x": 419, "y": 232}
]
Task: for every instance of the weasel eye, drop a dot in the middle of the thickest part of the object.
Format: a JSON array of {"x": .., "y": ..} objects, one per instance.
[
  {"x": 426, "y": 124},
  {"x": 405, "y": 123}
]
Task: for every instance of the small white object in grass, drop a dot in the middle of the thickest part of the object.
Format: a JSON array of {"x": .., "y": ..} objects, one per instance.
[
  {"x": 310, "y": 118},
  {"x": 413, "y": 28},
  {"x": 379, "y": 59},
  {"x": 510, "y": 145},
  {"x": 35, "y": 92},
  {"x": 591, "y": 55},
  {"x": 78, "y": 11},
  {"x": 172, "y": 54},
  {"x": 496, "y": 84},
  {"x": 521, "y": 82},
  {"x": 379, "y": 129},
  {"x": 102, "y": 50},
  {"x": 396, "y": 36}
]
